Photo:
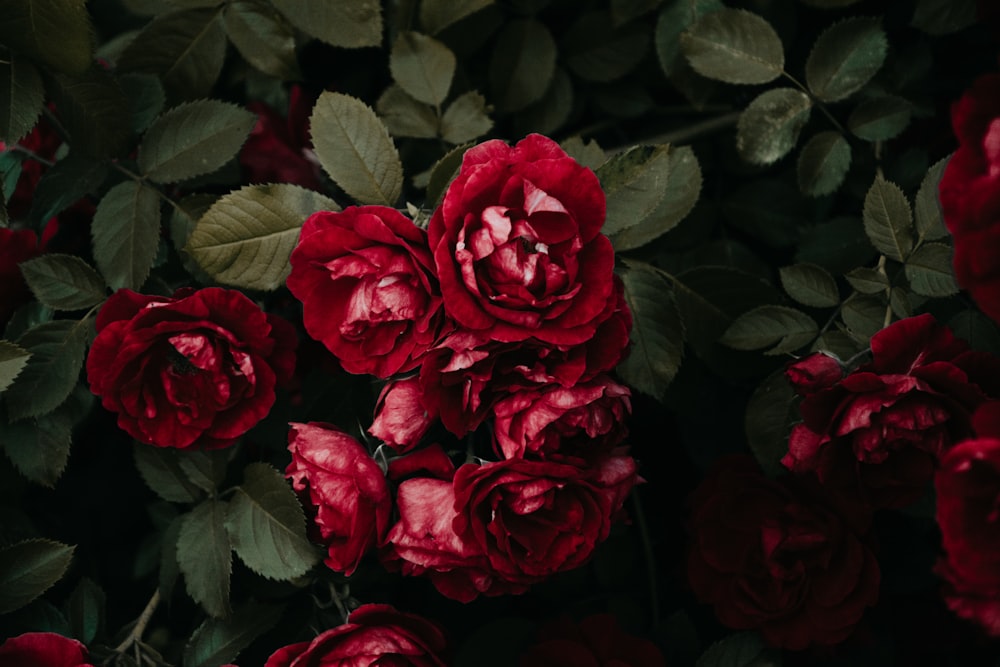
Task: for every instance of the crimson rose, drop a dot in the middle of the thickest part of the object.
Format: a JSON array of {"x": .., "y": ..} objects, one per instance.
[
  {"x": 43, "y": 649},
  {"x": 197, "y": 370},
  {"x": 374, "y": 634},
  {"x": 596, "y": 641},
  {"x": 368, "y": 292},
  {"x": 401, "y": 419},
  {"x": 770, "y": 556},
  {"x": 346, "y": 487}
]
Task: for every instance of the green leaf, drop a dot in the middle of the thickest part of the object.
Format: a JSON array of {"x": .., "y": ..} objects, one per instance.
[
  {"x": 147, "y": 96},
  {"x": 204, "y": 555},
  {"x": 927, "y": 208},
  {"x": 634, "y": 183},
  {"x": 63, "y": 282},
  {"x": 785, "y": 328},
  {"x": 206, "y": 469},
  {"x": 523, "y": 67},
  {"x": 735, "y": 46},
  {"x": 404, "y": 116},
  {"x": 160, "y": 468},
  {"x": 864, "y": 315},
  {"x": 744, "y": 649},
  {"x": 466, "y": 118},
  {"x": 354, "y": 148},
  {"x": 347, "y": 23},
  {"x": 768, "y": 129},
  {"x": 823, "y": 164},
  {"x": 443, "y": 172},
  {"x": 901, "y": 303},
  {"x": 436, "y": 15},
  {"x": 657, "y": 333},
  {"x": 39, "y": 448},
  {"x": 845, "y": 57},
  {"x": 126, "y": 233},
  {"x": 888, "y": 220},
  {"x": 550, "y": 112},
  {"x": 23, "y": 94},
  {"x": 29, "y": 568},
  {"x": 711, "y": 297},
  {"x": 186, "y": 49},
  {"x": 867, "y": 281},
  {"x": 810, "y": 285},
  {"x": 422, "y": 66},
  {"x": 929, "y": 271},
  {"x": 94, "y": 111},
  {"x": 85, "y": 609},
  {"x": 193, "y": 139},
  {"x": 672, "y": 21},
  {"x": 12, "y": 361},
  {"x": 597, "y": 49},
  {"x": 219, "y": 641},
  {"x": 940, "y": 17},
  {"x": 263, "y": 37},
  {"x": 768, "y": 421},
  {"x": 880, "y": 118},
  {"x": 267, "y": 526},
  {"x": 588, "y": 153},
  {"x": 65, "y": 183},
  {"x": 57, "y": 350},
  {"x": 54, "y": 32},
  {"x": 247, "y": 236}
]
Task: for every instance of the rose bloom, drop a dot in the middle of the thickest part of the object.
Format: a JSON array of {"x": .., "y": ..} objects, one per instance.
[
  {"x": 278, "y": 149},
  {"x": 197, "y": 370},
  {"x": 876, "y": 434},
  {"x": 401, "y": 419},
  {"x": 345, "y": 486},
  {"x": 365, "y": 280},
  {"x": 43, "y": 649},
  {"x": 968, "y": 514},
  {"x": 374, "y": 634},
  {"x": 596, "y": 641},
  {"x": 517, "y": 244},
  {"x": 768, "y": 555}
]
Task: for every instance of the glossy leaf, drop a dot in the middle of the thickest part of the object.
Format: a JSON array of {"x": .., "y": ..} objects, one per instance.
[
  {"x": 929, "y": 270},
  {"x": 888, "y": 220},
  {"x": 810, "y": 285},
  {"x": 204, "y": 556},
  {"x": 22, "y": 93},
  {"x": 522, "y": 68},
  {"x": 347, "y": 23},
  {"x": 29, "y": 568},
  {"x": 845, "y": 57},
  {"x": 126, "y": 233},
  {"x": 422, "y": 66},
  {"x": 823, "y": 164},
  {"x": 769, "y": 128},
  {"x": 735, "y": 46}
]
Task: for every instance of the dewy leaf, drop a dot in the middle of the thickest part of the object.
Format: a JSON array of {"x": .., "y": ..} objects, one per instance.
[
  {"x": 768, "y": 422},
  {"x": 768, "y": 129},
  {"x": 57, "y": 350},
  {"x": 354, "y": 148},
  {"x": 735, "y": 46},
  {"x": 219, "y": 641},
  {"x": 657, "y": 333},
  {"x": 39, "y": 448},
  {"x": 929, "y": 271},
  {"x": 94, "y": 110},
  {"x": 193, "y": 139},
  {"x": 65, "y": 183},
  {"x": 845, "y": 57},
  {"x": 436, "y": 15},
  {"x": 160, "y": 469},
  {"x": 634, "y": 182},
  {"x": 466, "y": 118},
  {"x": 205, "y": 556},
  {"x": 29, "y": 568},
  {"x": 422, "y": 66},
  {"x": 940, "y": 17},
  {"x": 267, "y": 526},
  {"x": 785, "y": 328},
  {"x": 404, "y": 116},
  {"x": 263, "y": 37},
  {"x": 85, "y": 609},
  {"x": 21, "y": 98},
  {"x": 888, "y": 220},
  {"x": 12, "y": 361},
  {"x": 823, "y": 164},
  {"x": 246, "y": 237},
  {"x": 880, "y": 118},
  {"x": 126, "y": 233},
  {"x": 673, "y": 20},
  {"x": 596, "y": 50},
  {"x": 347, "y": 23},
  {"x": 930, "y": 221},
  {"x": 54, "y": 32},
  {"x": 63, "y": 282},
  {"x": 522, "y": 65},
  {"x": 810, "y": 285}
]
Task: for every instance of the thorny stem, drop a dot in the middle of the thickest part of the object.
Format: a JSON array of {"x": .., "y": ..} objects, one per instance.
[
  {"x": 141, "y": 623},
  {"x": 647, "y": 550}
]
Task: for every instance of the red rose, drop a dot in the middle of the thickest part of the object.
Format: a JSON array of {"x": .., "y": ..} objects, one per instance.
[
  {"x": 347, "y": 488},
  {"x": 768, "y": 556},
  {"x": 517, "y": 244},
  {"x": 878, "y": 432},
  {"x": 374, "y": 634},
  {"x": 43, "y": 649},
  {"x": 365, "y": 280},
  {"x": 596, "y": 641},
  {"x": 194, "y": 371},
  {"x": 814, "y": 373},
  {"x": 401, "y": 419},
  {"x": 278, "y": 149},
  {"x": 583, "y": 420},
  {"x": 535, "y": 518}
]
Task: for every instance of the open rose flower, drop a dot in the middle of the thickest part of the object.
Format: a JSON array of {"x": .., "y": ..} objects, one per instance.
[
  {"x": 43, "y": 649},
  {"x": 770, "y": 556},
  {"x": 401, "y": 419},
  {"x": 345, "y": 486},
  {"x": 374, "y": 634},
  {"x": 876, "y": 434},
  {"x": 517, "y": 244},
  {"x": 364, "y": 277},
  {"x": 596, "y": 641},
  {"x": 194, "y": 371}
]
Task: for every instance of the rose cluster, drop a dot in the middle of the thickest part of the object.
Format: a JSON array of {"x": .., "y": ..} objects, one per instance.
[{"x": 496, "y": 330}]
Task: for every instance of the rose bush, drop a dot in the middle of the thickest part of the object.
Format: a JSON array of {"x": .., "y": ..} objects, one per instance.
[
  {"x": 596, "y": 641},
  {"x": 43, "y": 649},
  {"x": 196, "y": 370}
]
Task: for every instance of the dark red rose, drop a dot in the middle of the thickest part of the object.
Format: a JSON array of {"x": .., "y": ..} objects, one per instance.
[
  {"x": 876, "y": 434},
  {"x": 596, "y": 641},
  {"x": 429, "y": 461},
  {"x": 768, "y": 555},
  {"x": 278, "y": 149},
  {"x": 813, "y": 373},
  {"x": 194, "y": 371},
  {"x": 345, "y": 486},
  {"x": 368, "y": 292},
  {"x": 584, "y": 420},
  {"x": 517, "y": 244},
  {"x": 401, "y": 419},
  {"x": 535, "y": 518},
  {"x": 43, "y": 649},
  {"x": 374, "y": 634}
]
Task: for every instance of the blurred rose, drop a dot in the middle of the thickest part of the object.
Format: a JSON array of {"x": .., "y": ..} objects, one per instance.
[
  {"x": 194, "y": 371},
  {"x": 43, "y": 649},
  {"x": 345, "y": 486},
  {"x": 596, "y": 641},
  {"x": 278, "y": 149}
]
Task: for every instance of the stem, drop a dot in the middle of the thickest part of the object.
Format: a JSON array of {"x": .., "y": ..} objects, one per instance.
[
  {"x": 142, "y": 181},
  {"x": 690, "y": 132},
  {"x": 141, "y": 623},
  {"x": 888, "y": 292},
  {"x": 647, "y": 550},
  {"x": 815, "y": 100},
  {"x": 32, "y": 154},
  {"x": 335, "y": 594}
]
